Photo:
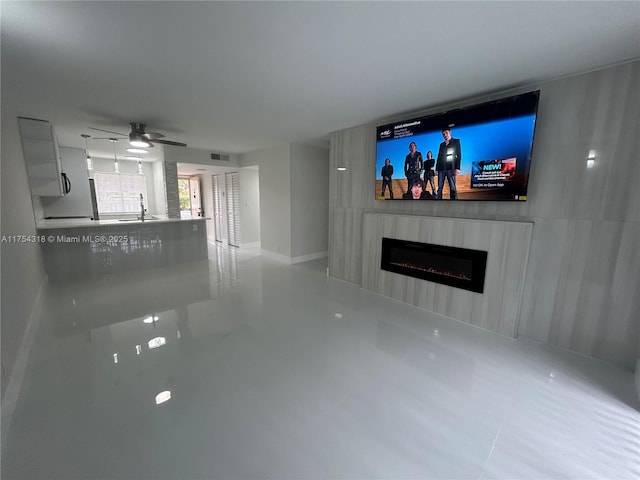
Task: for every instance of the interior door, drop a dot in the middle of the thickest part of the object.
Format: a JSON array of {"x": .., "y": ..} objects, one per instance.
[
  {"x": 217, "y": 207},
  {"x": 232, "y": 182}
]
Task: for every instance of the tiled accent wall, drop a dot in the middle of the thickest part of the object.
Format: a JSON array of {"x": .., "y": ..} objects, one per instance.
[
  {"x": 582, "y": 285},
  {"x": 171, "y": 183}
]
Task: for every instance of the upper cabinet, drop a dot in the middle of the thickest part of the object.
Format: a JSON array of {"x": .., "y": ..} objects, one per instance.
[{"x": 42, "y": 157}]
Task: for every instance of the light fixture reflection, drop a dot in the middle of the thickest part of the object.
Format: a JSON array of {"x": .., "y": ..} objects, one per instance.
[
  {"x": 138, "y": 349},
  {"x": 115, "y": 358},
  {"x": 157, "y": 342},
  {"x": 163, "y": 397},
  {"x": 591, "y": 159},
  {"x": 342, "y": 169},
  {"x": 150, "y": 319}
]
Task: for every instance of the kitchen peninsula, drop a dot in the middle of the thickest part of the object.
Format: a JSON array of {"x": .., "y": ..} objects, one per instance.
[{"x": 77, "y": 249}]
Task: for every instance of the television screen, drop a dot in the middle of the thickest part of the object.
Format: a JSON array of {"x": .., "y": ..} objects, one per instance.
[{"x": 481, "y": 152}]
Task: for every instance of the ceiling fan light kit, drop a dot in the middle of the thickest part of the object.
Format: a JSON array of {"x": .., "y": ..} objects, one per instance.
[
  {"x": 139, "y": 138},
  {"x": 136, "y": 141}
]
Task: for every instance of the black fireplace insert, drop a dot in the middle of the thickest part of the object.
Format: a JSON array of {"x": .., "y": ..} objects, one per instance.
[{"x": 453, "y": 266}]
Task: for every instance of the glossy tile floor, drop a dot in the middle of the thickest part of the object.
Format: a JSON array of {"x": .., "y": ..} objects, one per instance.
[{"x": 279, "y": 372}]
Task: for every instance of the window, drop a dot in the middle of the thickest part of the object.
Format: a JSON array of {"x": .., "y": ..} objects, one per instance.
[{"x": 119, "y": 192}]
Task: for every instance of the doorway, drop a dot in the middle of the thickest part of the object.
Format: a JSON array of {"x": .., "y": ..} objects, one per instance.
[{"x": 189, "y": 195}]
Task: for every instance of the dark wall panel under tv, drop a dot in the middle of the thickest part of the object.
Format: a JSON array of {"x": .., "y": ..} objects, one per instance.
[{"x": 486, "y": 154}]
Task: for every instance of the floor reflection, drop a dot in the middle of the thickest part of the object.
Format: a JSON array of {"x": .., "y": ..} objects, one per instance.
[{"x": 244, "y": 367}]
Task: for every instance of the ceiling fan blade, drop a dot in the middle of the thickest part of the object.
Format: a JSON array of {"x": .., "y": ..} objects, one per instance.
[
  {"x": 153, "y": 135},
  {"x": 168, "y": 142},
  {"x": 108, "y": 131}
]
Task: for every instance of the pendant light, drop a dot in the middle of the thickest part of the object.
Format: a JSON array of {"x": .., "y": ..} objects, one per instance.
[
  {"x": 139, "y": 159},
  {"x": 86, "y": 151},
  {"x": 115, "y": 156}
]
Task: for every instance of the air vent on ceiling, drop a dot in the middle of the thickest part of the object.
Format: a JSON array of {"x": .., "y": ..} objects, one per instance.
[{"x": 219, "y": 156}]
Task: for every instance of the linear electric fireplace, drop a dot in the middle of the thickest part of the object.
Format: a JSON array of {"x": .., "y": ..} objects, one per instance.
[{"x": 453, "y": 266}]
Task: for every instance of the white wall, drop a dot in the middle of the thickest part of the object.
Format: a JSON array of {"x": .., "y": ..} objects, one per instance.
[
  {"x": 206, "y": 203},
  {"x": 160, "y": 195},
  {"x": 309, "y": 200},
  {"x": 21, "y": 265},
  {"x": 275, "y": 197},
  {"x": 249, "y": 206},
  {"x": 192, "y": 155}
]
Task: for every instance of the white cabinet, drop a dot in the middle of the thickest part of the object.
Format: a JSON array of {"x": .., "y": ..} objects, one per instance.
[
  {"x": 42, "y": 157},
  {"x": 77, "y": 202}
]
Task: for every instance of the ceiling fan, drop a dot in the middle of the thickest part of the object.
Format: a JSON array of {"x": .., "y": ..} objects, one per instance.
[{"x": 139, "y": 138}]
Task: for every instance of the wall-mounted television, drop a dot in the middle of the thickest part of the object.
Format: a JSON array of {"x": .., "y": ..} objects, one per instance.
[{"x": 481, "y": 152}]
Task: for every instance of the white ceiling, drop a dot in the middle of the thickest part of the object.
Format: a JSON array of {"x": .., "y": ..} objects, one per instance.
[{"x": 234, "y": 77}]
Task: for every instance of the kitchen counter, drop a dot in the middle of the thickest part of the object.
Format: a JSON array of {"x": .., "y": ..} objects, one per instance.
[
  {"x": 76, "y": 249},
  {"x": 55, "y": 223}
]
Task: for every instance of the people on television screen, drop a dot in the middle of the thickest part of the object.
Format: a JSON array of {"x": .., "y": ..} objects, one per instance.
[
  {"x": 412, "y": 166},
  {"x": 448, "y": 163},
  {"x": 417, "y": 192},
  {"x": 387, "y": 173},
  {"x": 429, "y": 163}
]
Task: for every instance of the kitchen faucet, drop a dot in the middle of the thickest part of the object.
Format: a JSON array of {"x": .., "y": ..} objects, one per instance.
[{"x": 141, "y": 208}]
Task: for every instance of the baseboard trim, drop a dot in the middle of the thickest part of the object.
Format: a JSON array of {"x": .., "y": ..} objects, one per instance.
[
  {"x": 276, "y": 256},
  {"x": 311, "y": 256},
  {"x": 16, "y": 376},
  {"x": 293, "y": 260}
]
